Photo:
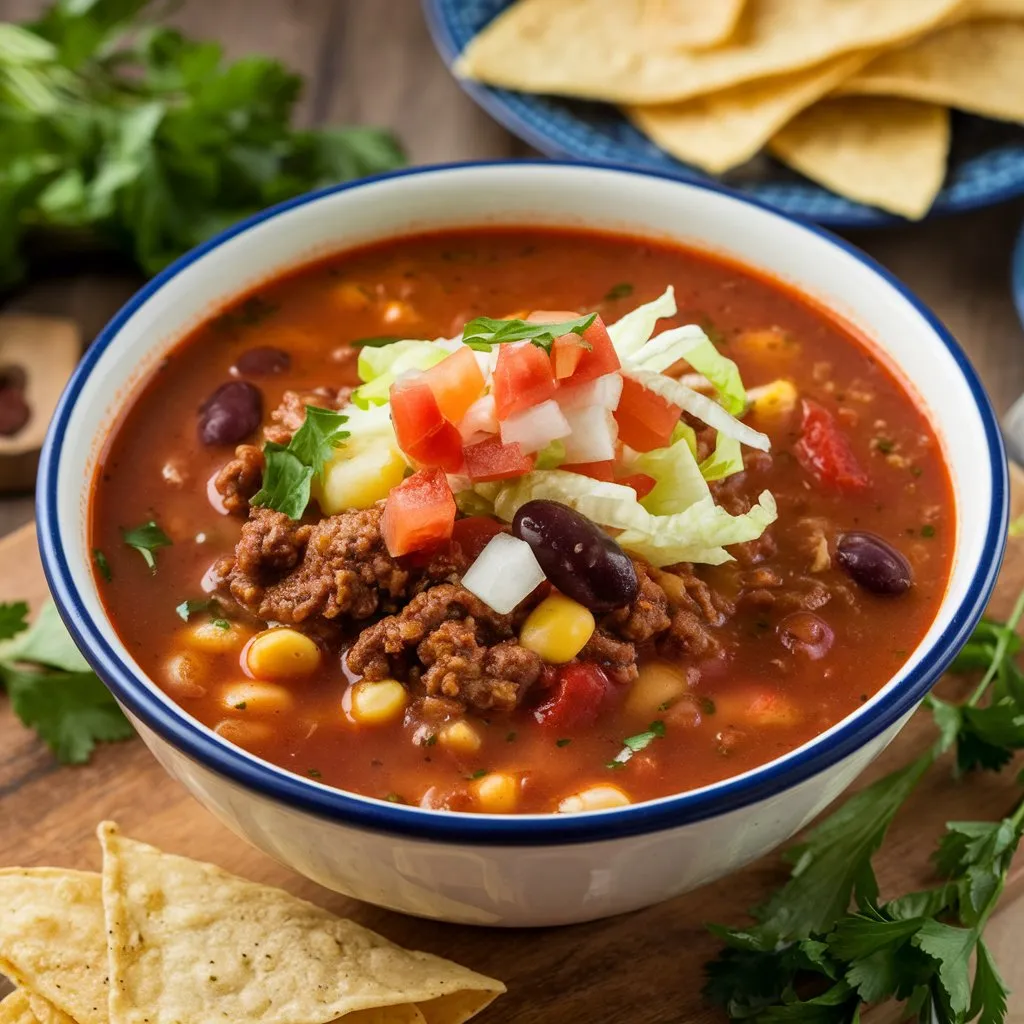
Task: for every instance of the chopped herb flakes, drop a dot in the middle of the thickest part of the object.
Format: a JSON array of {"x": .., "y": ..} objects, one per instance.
[
  {"x": 190, "y": 607},
  {"x": 483, "y": 332},
  {"x": 562, "y": 742},
  {"x": 221, "y": 624},
  {"x": 618, "y": 291},
  {"x": 928, "y": 530},
  {"x": 430, "y": 740},
  {"x": 146, "y": 539},
  {"x": 478, "y": 774},
  {"x": 313, "y": 773},
  {"x": 241, "y": 706},
  {"x": 102, "y": 565},
  {"x": 634, "y": 744},
  {"x": 884, "y": 445}
]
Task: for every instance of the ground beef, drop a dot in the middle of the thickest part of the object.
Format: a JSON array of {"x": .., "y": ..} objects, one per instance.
[
  {"x": 616, "y": 657},
  {"x": 647, "y": 615},
  {"x": 291, "y": 413},
  {"x": 239, "y": 479},
  {"x": 801, "y": 594}
]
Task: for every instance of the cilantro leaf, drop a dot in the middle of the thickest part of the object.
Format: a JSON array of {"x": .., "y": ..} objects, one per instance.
[
  {"x": 102, "y": 565},
  {"x": 633, "y": 744},
  {"x": 190, "y": 607},
  {"x": 951, "y": 948},
  {"x": 146, "y": 539},
  {"x": 319, "y": 435},
  {"x": 286, "y": 482},
  {"x": 12, "y": 618},
  {"x": 483, "y": 332},
  {"x": 989, "y": 992}
]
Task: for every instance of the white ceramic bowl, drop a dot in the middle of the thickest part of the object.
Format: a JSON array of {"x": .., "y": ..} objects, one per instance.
[{"x": 531, "y": 869}]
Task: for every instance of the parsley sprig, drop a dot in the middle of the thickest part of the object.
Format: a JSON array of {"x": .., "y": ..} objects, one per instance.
[
  {"x": 812, "y": 957},
  {"x": 483, "y": 332}
]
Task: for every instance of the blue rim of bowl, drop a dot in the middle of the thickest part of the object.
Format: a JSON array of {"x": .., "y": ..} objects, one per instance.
[
  {"x": 185, "y": 734},
  {"x": 1017, "y": 276},
  {"x": 501, "y": 104}
]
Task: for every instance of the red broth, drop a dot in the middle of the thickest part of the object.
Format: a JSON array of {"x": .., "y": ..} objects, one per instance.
[{"x": 768, "y": 684}]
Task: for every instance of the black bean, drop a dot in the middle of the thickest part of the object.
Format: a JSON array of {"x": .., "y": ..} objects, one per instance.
[
  {"x": 14, "y": 411},
  {"x": 231, "y": 413},
  {"x": 806, "y": 633},
  {"x": 579, "y": 558},
  {"x": 262, "y": 361},
  {"x": 874, "y": 563}
]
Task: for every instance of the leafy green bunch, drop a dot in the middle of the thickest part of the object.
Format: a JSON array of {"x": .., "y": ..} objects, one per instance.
[
  {"x": 125, "y": 129},
  {"x": 812, "y": 957}
]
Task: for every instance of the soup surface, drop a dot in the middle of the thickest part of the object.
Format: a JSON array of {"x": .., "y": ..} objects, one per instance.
[{"x": 247, "y": 616}]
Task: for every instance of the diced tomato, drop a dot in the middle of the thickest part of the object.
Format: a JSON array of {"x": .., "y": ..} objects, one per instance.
[
  {"x": 419, "y": 513},
  {"x": 522, "y": 377},
  {"x": 577, "y": 698},
  {"x": 595, "y": 470},
  {"x": 473, "y": 533},
  {"x": 457, "y": 382},
  {"x": 566, "y": 353},
  {"x": 640, "y": 482},
  {"x": 646, "y": 420},
  {"x": 492, "y": 460},
  {"x": 599, "y": 358},
  {"x": 824, "y": 451},
  {"x": 423, "y": 433}
]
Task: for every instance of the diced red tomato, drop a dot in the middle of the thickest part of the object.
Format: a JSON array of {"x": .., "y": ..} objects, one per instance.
[
  {"x": 522, "y": 377},
  {"x": 595, "y": 470},
  {"x": 646, "y": 420},
  {"x": 824, "y": 451},
  {"x": 580, "y": 692},
  {"x": 640, "y": 482},
  {"x": 566, "y": 353},
  {"x": 492, "y": 460},
  {"x": 457, "y": 382},
  {"x": 600, "y": 358},
  {"x": 473, "y": 533},
  {"x": 423, "y": 433},
  {"x": 419, "y": 513}
]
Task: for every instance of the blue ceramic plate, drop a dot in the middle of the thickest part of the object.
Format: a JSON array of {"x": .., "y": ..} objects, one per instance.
[{"x": 986, "y": 164}]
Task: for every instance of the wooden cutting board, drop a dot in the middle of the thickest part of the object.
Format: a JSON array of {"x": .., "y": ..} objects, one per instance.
[{"x": 640, "y": 968}]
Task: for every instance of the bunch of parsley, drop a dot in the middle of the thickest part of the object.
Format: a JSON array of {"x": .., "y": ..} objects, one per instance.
[
  {"x": 825, "y": 944},
  {"x": 127, "y": 130}
]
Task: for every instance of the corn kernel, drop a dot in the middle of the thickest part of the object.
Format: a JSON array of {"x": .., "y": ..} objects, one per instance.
[
  {"x": 281, "y": 653},
  {"x": 351, "y": 296},
  {"x": 460, "y": 737},
  {"x": 358, "y": 476},
  {"x": 497, "y": 793},
  {"x": 773, "y": 401},
  {"x": 657, "y": 684},
  {"x": 557, "y": 629},
  {"x": 252, "y": 697},
  {"x": 185, "y": 675},
  {"x": 377, "y": 703},
  {"x": 248, "y": 735},
  {"x": 210, "y": 638},
  {"x": 597, "y": 798}
]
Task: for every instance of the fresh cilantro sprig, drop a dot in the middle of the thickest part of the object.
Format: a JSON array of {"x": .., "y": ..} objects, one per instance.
[
  {"x": 634, "y": 744},
  {"x": 129, "y": 131},
  {"x": 483, "y": 332},
  {"x": 51, "y": 687},
  {"x": 146, "y": 539},
  {"x": 811, "y": 957},
  {"x": 290, "y": 469}
]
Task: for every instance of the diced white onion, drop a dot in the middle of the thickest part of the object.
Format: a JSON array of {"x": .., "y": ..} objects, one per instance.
[
  {"x": 535, "y": 428},
  {"x": 594, "y": 431},
  {"x": 604, "y": 391},
  {"x": 481, "y": 418},
  {"x": 504, "y": 573}
]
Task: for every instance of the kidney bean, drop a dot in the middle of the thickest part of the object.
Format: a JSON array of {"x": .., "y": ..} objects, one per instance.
[
  {"x": 231, "y": 413},
  {"x": 873, "y": 563},
  {"x": 262, "y": 361},
  {"x": 577, "y": 556},
  {"x": 806, "y": 633}
]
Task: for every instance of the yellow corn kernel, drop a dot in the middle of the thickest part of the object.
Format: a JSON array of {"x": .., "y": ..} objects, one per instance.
[
  {"x": 460, "y": 737},
  {"x": 773, "y": 401},
  {"x": 497, "y": 793},
  {"x": 185, "y": 675},
  {"x": 376, "y": 703},
  {"x": 281, "y": 653},
  {"x": 351, "y": 296},
  {"x": 657, "y": 684},
  {"x": 602, "y": 797},
  {"x": 557, "y": 629},
  {"x": 212, "y": 639},
  {"x": 769, "y": 341},
  {"x": 249, "y": 735},
  {"x": 252, "y": 697}
]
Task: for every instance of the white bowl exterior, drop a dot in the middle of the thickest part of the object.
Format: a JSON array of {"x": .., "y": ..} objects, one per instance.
[{"x": 526, "y": 885}]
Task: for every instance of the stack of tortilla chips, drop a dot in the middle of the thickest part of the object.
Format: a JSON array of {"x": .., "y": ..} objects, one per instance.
[
  {"x": 160, "y": 939},
  {"x": 855, "y": 94}
]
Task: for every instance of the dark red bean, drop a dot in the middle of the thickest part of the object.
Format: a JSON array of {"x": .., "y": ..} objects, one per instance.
[
  {"x": 577, "y": 556},
  {"x": 874, "y": 563},
  {"x": 805, "y": 633},
  {"x": 14, "y": 410},
  {"x": 231, "y": 413},
  {"x": 263, "y": 361}
]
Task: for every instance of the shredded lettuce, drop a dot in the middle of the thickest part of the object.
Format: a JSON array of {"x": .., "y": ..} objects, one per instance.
[
  {"x": 552, "y": 456},
  {"x": 632, "y": 332},
  {"x": 380, "y": 367},
  {"x": 726, "y": 459},
  {"x": 679, "y": 480}
]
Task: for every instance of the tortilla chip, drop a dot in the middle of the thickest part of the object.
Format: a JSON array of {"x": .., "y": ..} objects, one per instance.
[
  {"x": 885, "y": 152},
  {"x": 726, "y": 129},
  {"x": 45, "y": 1012},
  {"x": 15, "y": 1009},
  {"x": 689, "y": 24},
  {"x": 53, "y": 939},
  {"x": 995, "y": 8},
  {"x": 185, "y": 937},
  {"x": 977, "y": 66},
  {"x": 559, "y": 46}
]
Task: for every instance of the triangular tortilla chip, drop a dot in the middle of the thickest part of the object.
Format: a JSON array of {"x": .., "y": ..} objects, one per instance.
[
  {"x": 885, "y": 152},
  {"x": 727, "y": 128},
  {"x": 185, "y": 937},
  {"x": 45, "y": 1012},
  {"x": 560, "y": 46},
  {"x": 977, "y": 66},
  {"x": 15, "y": 1009},
  {"x": 53, "y": 941}
]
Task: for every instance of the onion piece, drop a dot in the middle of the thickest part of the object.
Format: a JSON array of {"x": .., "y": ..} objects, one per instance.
[
  {"x": 603, "y": 391},
  {"x": 594, "y": 432},
  {"x": 480, "y": 418},
  {"x": 536, "y": 427},
  {"x": 504, "y": 573}
]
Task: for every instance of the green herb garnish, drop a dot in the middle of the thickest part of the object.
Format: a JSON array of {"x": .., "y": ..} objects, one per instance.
[
  {"x": 483, "y": 332},
  {"x": 618, "y": 291},
  {"x": 241, "y": 705},
  {"x": 562, "y": 742},
  {"x": 633, "y": 744},
  {"x": 290, "y": 469},
  {"x": 221, "y": 624},
  {"x": 102, "y": 565},
  {"x": 927, "y": 530},
  {"x": 188, "y": 608},
  {"x": 430, "y": 740},
  {"x": 13, "y": 616},
  {"x": 314, "y": 773},
  {"x": 478, "y": 774},
  {"x": 146, "y": 539},
  {"x": 885, "y": 445}
]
